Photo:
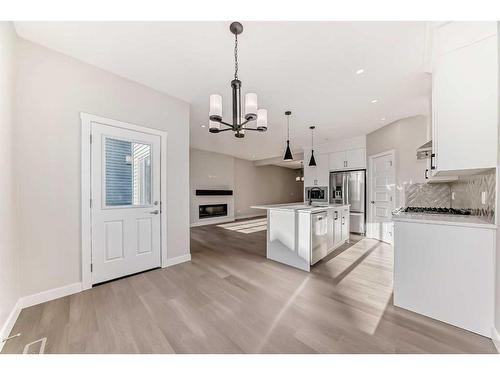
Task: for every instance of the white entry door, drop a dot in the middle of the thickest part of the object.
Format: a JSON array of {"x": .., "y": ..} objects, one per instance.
[
  {"x": 382, "y": 196},
  {"x": 125, "y": 214}
]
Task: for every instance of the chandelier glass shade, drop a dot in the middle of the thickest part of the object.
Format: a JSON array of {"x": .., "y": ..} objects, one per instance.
[{"x": 252, "y": 113}]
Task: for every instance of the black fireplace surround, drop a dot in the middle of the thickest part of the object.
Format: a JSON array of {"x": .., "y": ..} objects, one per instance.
[{"x": 207, "y": 211}]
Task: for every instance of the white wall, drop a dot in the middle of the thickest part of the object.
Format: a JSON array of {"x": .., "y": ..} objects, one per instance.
[
  {"x": 267, "y": 184},
  {"x": 9, "y": 256},
  {"x": 51, "y": 91},
  {"x": 251, "y": 184},
  {"x": 404, "y": 136},
  {"x": 210, "y": 170}
]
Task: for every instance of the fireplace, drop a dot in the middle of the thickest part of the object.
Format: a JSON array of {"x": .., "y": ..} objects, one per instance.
[{"x": 212, "y": 210}]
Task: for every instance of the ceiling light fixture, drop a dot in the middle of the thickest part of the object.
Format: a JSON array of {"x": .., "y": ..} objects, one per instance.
[
  {"x": 312, "y": 161},
  {"x": 374, "y": 101},
  {"x": 300, "y": 177},
  {"x": 288, "y": 153},
  {"x": 251, "y": 111},
  {"x": 360, "y": 71}
]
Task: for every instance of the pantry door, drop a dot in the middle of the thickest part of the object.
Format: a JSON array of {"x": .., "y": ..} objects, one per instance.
[
  {"x": 125, "y": 202},
  {"x": 382, "y": 199}
]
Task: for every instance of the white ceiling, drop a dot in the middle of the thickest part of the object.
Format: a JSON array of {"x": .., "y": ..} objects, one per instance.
[{"x": 306, "y": 67}]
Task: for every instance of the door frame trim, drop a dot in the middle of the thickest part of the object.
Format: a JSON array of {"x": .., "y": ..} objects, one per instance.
[
  {"x": 392, "y": 152},
  {"x": 86, "y": 211}
]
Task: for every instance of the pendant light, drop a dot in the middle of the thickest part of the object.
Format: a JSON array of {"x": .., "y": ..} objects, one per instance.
[
  {"x": 312, "y": 161},
  {"x": 288, "y": 153}
]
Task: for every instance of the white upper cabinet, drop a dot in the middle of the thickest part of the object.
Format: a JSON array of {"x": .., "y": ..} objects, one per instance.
[
  {"x": 318, "y": 175},
  {"x": 465, "y": 97},
  {"x": 355, "y": 159},
  {"x": 346, "y": 160},
  {"x": 337, "y": 161}
]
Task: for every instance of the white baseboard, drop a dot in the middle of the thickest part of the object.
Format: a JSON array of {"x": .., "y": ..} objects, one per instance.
[
  {"x": 35, "y": 299},
  {"x": 9, "y": 323},
  {"x": 225, "y": 219},
  {"x": 49, "y": 295},
  {"x": 177, "y": 260},
  {"x": 495, "y": 336}
]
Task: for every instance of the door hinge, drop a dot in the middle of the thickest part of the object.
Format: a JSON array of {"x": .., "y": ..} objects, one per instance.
[
  {"x": 390, "y": 163},
  {"x": 91, "y": 267},
  {"x": 90, "y": 202},
  {"x": 90, "y": 138}
]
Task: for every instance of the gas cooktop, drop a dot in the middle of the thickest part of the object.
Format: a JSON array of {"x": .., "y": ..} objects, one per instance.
[{"x": 438, "y": 210}]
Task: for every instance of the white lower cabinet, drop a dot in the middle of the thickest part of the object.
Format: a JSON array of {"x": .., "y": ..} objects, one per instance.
[
  {"x": 446, "y": 272},
  {"x": 345, "y": 224},
  {"x": 337, "y": 226}
]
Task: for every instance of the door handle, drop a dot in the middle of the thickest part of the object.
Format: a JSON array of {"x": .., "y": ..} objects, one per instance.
[
  {"x": 372, "y": 202},
  {"x": 155, "y": 212}
]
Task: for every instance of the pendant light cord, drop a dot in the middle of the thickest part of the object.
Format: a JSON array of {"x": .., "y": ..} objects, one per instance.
[
  {"x": 288, "y": 127},
  {"x": 236, "y": 56}
]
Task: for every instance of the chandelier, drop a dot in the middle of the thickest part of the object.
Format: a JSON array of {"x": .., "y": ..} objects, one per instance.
[{"x": 252, "y": 113}]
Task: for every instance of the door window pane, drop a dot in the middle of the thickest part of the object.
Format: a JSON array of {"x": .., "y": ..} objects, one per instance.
[{"x": 128, "y": 173}]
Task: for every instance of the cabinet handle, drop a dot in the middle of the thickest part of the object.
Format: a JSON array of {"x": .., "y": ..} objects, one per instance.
[
  {"x": 432, "y": 161},
  {"x": 426, "y": 174}
]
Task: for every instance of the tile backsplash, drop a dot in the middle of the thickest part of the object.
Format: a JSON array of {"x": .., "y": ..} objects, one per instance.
[{"x": 467, "y": 194}]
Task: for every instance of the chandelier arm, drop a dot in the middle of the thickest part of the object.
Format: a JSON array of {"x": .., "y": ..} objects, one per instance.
[
  {"x": 253, "y": 129},
  {"x": 225, "y": 123},
  {"x": 225, "y": 130}
]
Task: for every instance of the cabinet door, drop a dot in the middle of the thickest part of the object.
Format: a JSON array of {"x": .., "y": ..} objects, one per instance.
[
  {"x": 337, "y": 227},
  {"x": 345, "y": 224},
  {"x": 337, "y": 161},
  {"x": 465, "y": 100},
  {"x": 322, "y": 170},
  {"x": 310, "y": 175},
  {"x": 355, "y": 159}
]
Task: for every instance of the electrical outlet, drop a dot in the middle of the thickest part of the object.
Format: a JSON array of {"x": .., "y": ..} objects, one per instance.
[{"x": 483, "y": 197}]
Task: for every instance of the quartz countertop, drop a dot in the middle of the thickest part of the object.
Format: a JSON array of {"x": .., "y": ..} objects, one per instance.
[
  {"x": 299, "y": 206},
  {"x": 444, "y": 219}
]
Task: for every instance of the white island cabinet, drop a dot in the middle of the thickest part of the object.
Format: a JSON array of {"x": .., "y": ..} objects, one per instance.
[{"x": 300, "y": 235}]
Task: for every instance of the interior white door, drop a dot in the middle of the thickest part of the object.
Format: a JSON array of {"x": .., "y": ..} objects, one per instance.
[
  {"x": 382, "y": 197},
  {"x": 125, "y": 184}
]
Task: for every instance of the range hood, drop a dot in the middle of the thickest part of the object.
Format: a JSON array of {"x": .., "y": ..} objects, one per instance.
[{"x": 424, "y": 151}]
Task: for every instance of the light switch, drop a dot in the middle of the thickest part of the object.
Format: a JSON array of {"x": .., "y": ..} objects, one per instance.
[
  {"x": 483, "y": 197},
  {"x": 453, "y": 195}
]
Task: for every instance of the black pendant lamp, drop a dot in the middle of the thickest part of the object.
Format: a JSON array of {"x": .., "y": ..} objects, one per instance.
[
  {"x": 312, "y": 161},
  {"x": 288, "y": 153}
]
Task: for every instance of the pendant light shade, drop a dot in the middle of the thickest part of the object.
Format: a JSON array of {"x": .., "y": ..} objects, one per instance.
[
  {"x": 312, "y": 161},
  {"x": 288, "y": 153},
  {"x": 250, "y": 106}
]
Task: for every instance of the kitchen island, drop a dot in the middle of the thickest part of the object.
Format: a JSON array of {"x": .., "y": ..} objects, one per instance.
[{"x": 300, "y": 235}]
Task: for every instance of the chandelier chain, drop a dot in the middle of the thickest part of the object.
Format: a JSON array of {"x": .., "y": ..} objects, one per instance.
[{"x": 236, "y": 56}]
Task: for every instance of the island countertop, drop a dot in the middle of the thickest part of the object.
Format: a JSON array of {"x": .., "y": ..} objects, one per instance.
[{"x": 299, "y": 206}]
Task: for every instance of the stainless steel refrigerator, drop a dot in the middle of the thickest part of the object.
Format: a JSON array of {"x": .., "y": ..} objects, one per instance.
[{"x": 350, "y": 188}]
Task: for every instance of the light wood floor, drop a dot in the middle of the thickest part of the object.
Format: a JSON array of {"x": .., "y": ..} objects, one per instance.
[{"x": 230, "y": 299}]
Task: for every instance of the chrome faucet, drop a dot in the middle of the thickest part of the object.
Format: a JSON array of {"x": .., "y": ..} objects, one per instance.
[{"x": 310, "y": 194}]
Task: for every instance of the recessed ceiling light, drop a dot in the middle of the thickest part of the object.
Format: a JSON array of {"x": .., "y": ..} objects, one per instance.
[
  {"x": 382, "y": 119},
  {"x": 360, "y": 71},
  {"x": 203, "y": 126},
  {"x": 374, "y": 101}
]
